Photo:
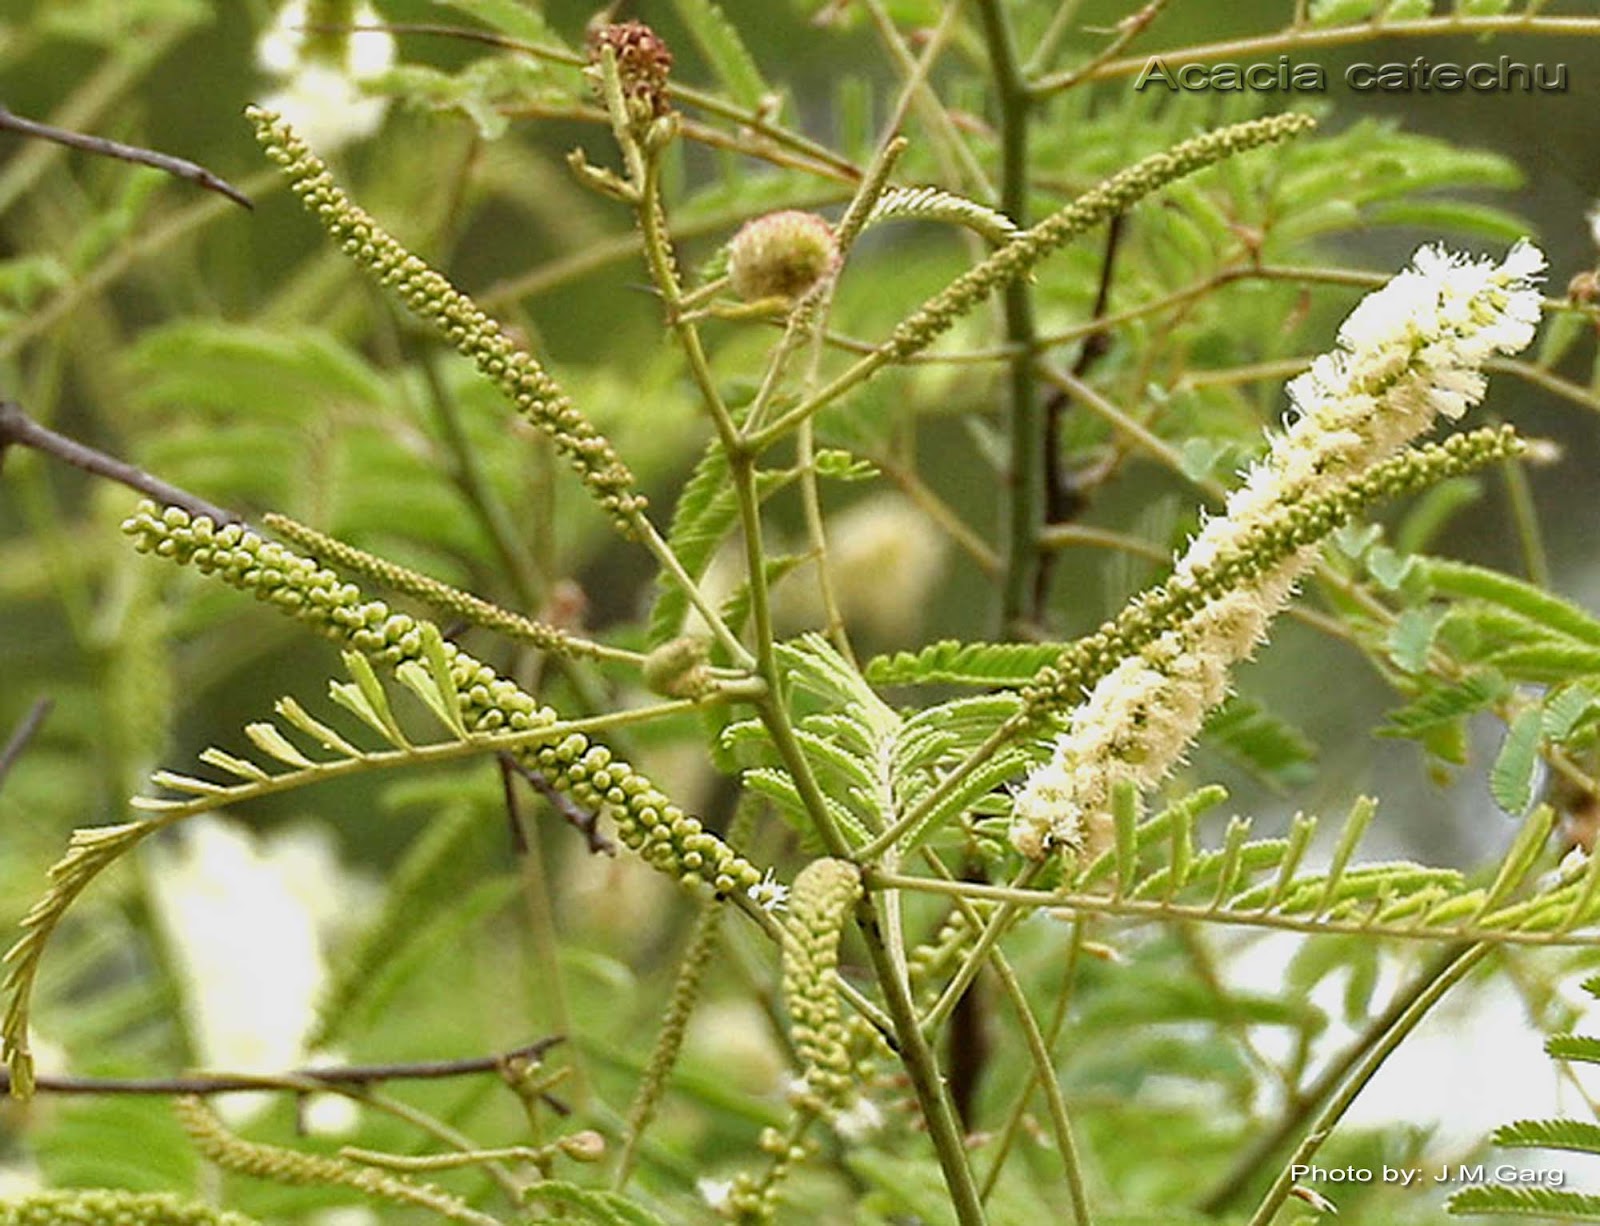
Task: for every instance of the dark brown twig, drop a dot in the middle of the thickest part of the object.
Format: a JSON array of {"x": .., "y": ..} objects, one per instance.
[
  {"x": 180, "y": 168},
  {"x": 580, "y": 819},
  {"x": 26, "y": 730},
  {"x": 1064, "y": 496},
  {"x": 17, "y": 427},
  {"x": 345, "y": 1076}
]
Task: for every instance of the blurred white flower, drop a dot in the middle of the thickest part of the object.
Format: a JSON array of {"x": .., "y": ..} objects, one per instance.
[
  {"x": 1594, "y": 223},
  {"x": 321, "y": 94},
  {"x": 1409, "y": 352},
  {"x": 884, "y": 559},
  {"x": 734, "y": 1037},
  {"x": 858, "y": 1121},
  {"x": 19, "y": 1177},
  {"x": 247, "y": 920},
  {"x": 330, "y": 1115},
  {"x": 346, "y": 1215},
  {"x": 717, "y": 1193}
]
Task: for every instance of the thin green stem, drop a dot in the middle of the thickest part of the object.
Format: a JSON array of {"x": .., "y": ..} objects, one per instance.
[
  {"x": 947, "y": 784},
  {"x": 1022, "y": 510},
  {"x": 466, "y": 472},
  {"x": 1525, "y": 517},
  {"x": 921, "y": 1066},
  {"x": 1049, "y": 44},
  {"x": 959, "y": 162},
  {"x": 942, "y": 514},
  {"x": 652, "y": 540},
  {"x": 1019, "y": 1106},
  {"x": 1157, "y": 447},
  {"x": 543, "y": 939},
  {"x": 1128, "y": 29},
  {"x": 996, "y": 927},
  {"x": 1385, "y": 1043},
  {"x": 1044, "y": 1074},
  {"x": 773, "y": 707}
]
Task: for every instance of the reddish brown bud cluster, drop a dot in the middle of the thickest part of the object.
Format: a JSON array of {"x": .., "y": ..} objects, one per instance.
[{"x": 643, "y": 63}]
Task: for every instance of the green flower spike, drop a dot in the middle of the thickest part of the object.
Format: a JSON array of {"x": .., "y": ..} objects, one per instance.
[
  {"x": 290, "y": 1166},
  {"x": 430, "y": 296},
  {"x": 108, "y": 1207},
  {"x": 1116, "y": 195},
  {"x": 819, "y": 904},
  {"x": 646, "y": 820}
]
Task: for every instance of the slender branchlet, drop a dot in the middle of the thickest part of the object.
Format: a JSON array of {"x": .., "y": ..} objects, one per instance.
[
  {"x": 108, "y": 1207},
  {"x": 820, "y": 902},
  {"x": 1410, "y": 352},
  {"x": 88, "y": 853},
  {"x": 440, "y": 595},
  {"x": 865, "y": 205},
  {"x": 279, "y": 1165},
  {"x": 930, "y": 964},
  {"x": 674, "y": 1025},
  {"x": 459, "y": 320},
  {"x": 1114, "y": 196},
  {"x": 589, "y": 774}
]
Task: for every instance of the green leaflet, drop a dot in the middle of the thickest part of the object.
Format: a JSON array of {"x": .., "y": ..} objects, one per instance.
[
  {"x": 935, "y": 204},
  {"x": 1514, "y": 1201},
  {"x": 1262, "y": 742},
  {"x": 955, "y": 662},
  {"x": 1512, "y": 777},
  {"x": 729, "y": 58},
  {"x": 1575, "y": 1136},
  {"x": 1582, "y": 1136},
  {"x": 1157, "y": 869},
  {"x": 1464, "y": 581},
  {"x": 873, "y": 764},
  {"x": 510, "y": 18},
  {"x": 603, "y": 1208}
]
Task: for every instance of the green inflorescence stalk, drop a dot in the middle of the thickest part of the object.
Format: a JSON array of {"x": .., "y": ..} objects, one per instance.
[
  {"x": 440, "y": 595},
  {"x": 1114, "y": 196},
  {"x": 272, "y": 1162},
  {"x": 429, "y": 295},
  {"x": 647, "y": 821}
]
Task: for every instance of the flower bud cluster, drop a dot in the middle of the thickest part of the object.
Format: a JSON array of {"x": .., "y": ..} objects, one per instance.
[
  {"x": 291, "y": 1166},
  {"x": 108, "y": 1207},
  {"x": 1410, "y": 352},
  {"x": 646, "y": 820},
  {"x": 781, "y": 255},
  {"x": 1116, "y": 195},
  {"x": 819, "y": 904},
  {"x": 440, "y": 595},
  {"x": 644, "y": 62},
  {"x": 430, "y": 296}
]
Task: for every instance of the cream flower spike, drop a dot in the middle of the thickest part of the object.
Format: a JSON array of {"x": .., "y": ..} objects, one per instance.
[
  {"x": 1409, "y": 353},
  {"x": 321, "y": 87}
]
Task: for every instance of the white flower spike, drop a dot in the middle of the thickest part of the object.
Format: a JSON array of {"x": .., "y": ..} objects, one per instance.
[{"x": 1409, "y": 353}]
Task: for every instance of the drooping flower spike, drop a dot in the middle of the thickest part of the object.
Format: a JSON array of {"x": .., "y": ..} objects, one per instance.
[{"x": 1409, "y": 353}]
